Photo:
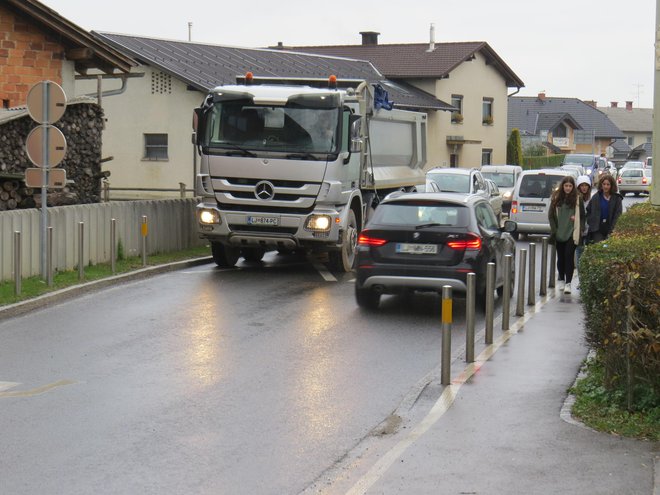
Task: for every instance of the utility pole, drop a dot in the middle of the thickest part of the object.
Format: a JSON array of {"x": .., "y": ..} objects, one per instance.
[{"x": 655, "y": 190}]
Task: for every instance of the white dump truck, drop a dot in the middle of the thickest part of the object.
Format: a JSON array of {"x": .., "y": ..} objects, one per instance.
[{"x": 293, "y": 166}]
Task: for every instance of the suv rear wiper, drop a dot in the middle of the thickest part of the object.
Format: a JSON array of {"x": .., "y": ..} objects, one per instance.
[{"x": 426, "y": 225}]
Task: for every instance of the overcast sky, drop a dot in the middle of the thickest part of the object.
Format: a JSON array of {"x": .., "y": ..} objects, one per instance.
[{"x": 592, "y": 50}]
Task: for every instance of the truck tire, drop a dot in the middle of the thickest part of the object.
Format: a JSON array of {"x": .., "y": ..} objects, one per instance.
[
  {"x": 343, "y": 259},
  {"x": 367, "y": 298},
  {"x": 253, "y": 255},
  {"x": 224, "y": 256}
]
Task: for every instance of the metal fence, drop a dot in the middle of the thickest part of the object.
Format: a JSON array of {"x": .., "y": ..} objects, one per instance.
[{"x": 171, "y": 227}]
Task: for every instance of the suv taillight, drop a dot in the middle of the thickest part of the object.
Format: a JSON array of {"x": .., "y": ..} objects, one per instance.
[
  {"x": 472, "y": 242},
  {"x": 365, "y": 240}
]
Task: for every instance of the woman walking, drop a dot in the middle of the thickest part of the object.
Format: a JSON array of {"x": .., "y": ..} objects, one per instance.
[
  {"x": 584, "y": 190},
  {"x": 604, "y": 209},
  {"x": 567, "y": 220}
]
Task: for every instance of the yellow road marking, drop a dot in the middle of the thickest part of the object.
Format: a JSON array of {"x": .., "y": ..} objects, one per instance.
[{"x": 35, "y": 391}]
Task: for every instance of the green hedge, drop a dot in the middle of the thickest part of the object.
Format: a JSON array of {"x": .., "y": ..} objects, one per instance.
[
  {"x": 620, "y": 290},
  {"x": 535, "y": 162}
]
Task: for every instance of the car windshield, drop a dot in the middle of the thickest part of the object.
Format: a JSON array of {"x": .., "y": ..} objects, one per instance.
[
  {"x": 502, "y": 180},
  {"x": 451, "y": 182},
  {"x": 421, "y": 213},
  {"x": 584, "y": 160},
  {"x": 538, "y": 185}
]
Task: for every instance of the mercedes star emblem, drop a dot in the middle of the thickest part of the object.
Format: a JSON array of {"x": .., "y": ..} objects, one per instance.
[{"x": 264, "y": 190}]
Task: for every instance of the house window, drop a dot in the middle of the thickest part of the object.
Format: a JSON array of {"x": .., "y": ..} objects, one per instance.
[
  {"x": 649, "y": 139},
  {"x": 486, "y": 156},
  {"x": 631, "y": 141},
  {"x": 487, "y": 111},
  {"x": 155, "y": 146},
  {"x": 559, "y": 131},
  {"x": 457, "y": 102}
]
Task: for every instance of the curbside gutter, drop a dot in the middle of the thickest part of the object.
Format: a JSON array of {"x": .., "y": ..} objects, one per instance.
[{"x": 23, "y": 307}]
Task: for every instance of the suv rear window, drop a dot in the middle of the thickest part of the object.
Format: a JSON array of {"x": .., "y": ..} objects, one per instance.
[
  {"x": 538, "y": 186},
  {"x": 419, "y": 213}
]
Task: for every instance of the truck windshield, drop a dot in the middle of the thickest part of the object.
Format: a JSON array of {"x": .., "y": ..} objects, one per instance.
[{"x": 301, "y": 126}]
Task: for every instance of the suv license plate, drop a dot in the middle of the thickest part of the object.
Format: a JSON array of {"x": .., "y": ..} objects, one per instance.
[
  {"x": 271, "y": 221},
  {"x": 406, "y": 248}
]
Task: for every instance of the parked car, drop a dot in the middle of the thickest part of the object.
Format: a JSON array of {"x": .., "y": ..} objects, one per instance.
[
  {"x": 575, "y": 169},
  {"x": 424, "y": 241},
  {"x": 495, "y": 199},
  {"x": 632, "y": 164},
  {"x": 531, "y": 200},
  {"x": 635, "y": 180},
  {"x": 505, "y": 176}
]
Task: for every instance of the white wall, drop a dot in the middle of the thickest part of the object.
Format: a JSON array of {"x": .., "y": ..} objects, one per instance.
[{"x": 152, "y": 104}]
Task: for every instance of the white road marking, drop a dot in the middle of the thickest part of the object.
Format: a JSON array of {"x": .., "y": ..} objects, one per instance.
[{"x": 320, "y": 267}]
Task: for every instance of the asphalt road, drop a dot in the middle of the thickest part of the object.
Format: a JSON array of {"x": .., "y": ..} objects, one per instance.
[{"x": 250, "y": 380}]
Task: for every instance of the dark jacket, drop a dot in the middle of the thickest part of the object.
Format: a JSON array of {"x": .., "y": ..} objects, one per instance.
[
  {"x": 552, "y": 217},
  {"x": 593, "y": 212}
]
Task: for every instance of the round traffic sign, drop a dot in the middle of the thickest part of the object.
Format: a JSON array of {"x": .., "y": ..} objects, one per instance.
[
  {"x": 46, "y": 146},
  {"x": 46, "y": 102}
]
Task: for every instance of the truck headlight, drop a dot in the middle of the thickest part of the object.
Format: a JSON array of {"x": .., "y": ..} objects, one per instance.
[
  {"x": 318, "y": 223},
  {"x": 209, "y": 216}
]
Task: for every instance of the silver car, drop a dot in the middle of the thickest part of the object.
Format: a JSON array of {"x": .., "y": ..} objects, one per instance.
[
  {"x": 635, "y": 180},
  {"x": 531, "y": 200}
]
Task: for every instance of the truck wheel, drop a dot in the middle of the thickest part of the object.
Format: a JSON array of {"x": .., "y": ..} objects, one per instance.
[
  {"x": 344, "y": 259},
  {"x": 367, "y": 298},
  {"x": 223, "y": 255},
  {"x": 253, "y": 254}
]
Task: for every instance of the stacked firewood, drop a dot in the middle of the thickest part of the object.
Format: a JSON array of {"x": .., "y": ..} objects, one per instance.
[{"x": 82, "y": 126}]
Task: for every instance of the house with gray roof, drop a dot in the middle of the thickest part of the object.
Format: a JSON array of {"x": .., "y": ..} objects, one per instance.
[
  {"x": 637, "y": 127},
  {"x": 470, "y": 75},
  {"x": 563, "y": 125},
  {"x": 149, "y": 125}
]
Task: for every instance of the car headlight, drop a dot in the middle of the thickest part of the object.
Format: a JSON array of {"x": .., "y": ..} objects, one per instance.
[
  {"x": 209, "y": 217},
  {"x": 318, "y": 223}
]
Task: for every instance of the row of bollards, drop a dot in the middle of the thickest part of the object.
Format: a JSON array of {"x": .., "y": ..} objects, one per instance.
[
  {"x": 18, "y": 260},
  {"x": 547, "y": 279}
]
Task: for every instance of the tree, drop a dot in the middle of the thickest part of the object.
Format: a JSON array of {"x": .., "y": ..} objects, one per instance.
[{"x": 514, "y": 154}]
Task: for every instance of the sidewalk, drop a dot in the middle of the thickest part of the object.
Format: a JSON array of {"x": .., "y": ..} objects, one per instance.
[{"x": 504, "y": 432}]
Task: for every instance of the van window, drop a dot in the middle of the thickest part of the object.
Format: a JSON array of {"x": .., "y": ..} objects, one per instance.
[
  {"x": 500, "y": 178},
  {"x": 538, "y": 186}
]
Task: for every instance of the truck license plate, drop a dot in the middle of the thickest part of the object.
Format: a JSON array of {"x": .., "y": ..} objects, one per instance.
[
  {"x": 270, "y": 221},
  {"x": 406, "y": 248}
]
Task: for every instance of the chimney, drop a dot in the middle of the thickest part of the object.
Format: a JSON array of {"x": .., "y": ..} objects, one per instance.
[
  {"x": 614, "y": 104},
  {"x": 592, "y": 103},
  {"x": 280, "y": 45},
  {"x": 432, "y": 38},
  {"x": 629, "y": 105},
  {"x": 369, "y": 37},
  {"x": 541, "y": 96}
]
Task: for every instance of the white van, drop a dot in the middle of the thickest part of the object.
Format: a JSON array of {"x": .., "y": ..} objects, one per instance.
[
  {"x": 505, "y": 176},
  {"x": 531, "y": 200}
]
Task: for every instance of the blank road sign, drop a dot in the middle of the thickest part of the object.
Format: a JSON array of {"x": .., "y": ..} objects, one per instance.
[
  {"x": 56, "y": 146},
  {"x": 56, "y": 178},
  {"x": 46, "y": 102}
]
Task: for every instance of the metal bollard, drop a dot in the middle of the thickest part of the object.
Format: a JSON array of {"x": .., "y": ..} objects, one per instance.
[
  {"x": 81, "y": 245},
  {"x": 470, "y": 317},
  {"x": 520, "y": 306},
  {"x": 445, "y": 365},
  {"x": 506, "y": 296},
  {"x": 145, "y": 231},
  {"x": 49, "y": 257},
  {"x": 490, "y": 301},
  {"x": 544, "y": 266},
  {"x": 18, "y": 263},
  {"x": 552, "y": 273},
  {"x": 113, "y": 245},
  {"x": 532, "y": 274}
]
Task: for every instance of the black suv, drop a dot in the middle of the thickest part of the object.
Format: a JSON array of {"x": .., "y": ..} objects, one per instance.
[{"x": 423, "y": 241}]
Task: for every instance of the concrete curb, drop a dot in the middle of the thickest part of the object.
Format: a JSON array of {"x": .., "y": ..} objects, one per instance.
[{"x": 20, "y": 308}]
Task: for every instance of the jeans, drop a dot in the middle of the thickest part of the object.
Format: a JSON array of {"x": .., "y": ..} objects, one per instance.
[{"x": 565, "y": 259}]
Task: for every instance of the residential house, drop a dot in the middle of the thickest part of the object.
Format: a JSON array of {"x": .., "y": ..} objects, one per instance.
[
  {"x": 562, "y": 125},
  {"x": 637, "y": 127},
  {"x": 149, "y": 127},
  {"x": 470, "y": 75}
]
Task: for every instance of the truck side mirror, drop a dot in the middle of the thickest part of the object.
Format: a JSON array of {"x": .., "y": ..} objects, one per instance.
[
  {"x": 355, "y": 123},
  {"x": 197, "y": 125}
]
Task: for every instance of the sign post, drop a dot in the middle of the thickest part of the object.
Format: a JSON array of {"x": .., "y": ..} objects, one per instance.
[{"x": 46, "y": 103}]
